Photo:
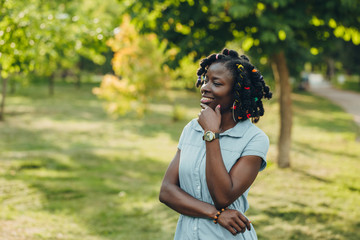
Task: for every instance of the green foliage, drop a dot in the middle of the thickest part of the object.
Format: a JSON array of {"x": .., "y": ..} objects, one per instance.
[
  {"x": 139, "y": 62},
  {"x": 48, "y": 36},
  {"x": 184, "y": 76},
  {"x": 191, "y": 26},
  {"x": 300, "y": 28}
]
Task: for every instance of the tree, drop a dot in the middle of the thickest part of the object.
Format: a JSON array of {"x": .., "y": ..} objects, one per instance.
[
  {"x": 52, "y": 36},
  {"x": 139, "y": 65},
  {"x": 16, "y": 52},
  {"x": 273, "y": 30}
]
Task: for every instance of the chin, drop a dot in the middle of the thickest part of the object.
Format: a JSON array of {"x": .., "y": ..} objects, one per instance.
[{"x": 212, "y": 105}]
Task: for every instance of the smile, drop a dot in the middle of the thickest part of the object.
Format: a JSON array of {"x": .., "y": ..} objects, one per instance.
[{"x": 206, "y": 100}]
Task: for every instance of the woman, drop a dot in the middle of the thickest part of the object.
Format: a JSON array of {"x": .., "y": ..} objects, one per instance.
[{"x": 219, "y": 154}]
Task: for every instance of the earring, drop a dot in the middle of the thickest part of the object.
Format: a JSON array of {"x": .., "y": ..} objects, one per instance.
[{"x": 233, "y": 111}]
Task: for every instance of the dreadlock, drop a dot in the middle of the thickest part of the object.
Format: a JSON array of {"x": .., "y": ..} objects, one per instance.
[{"x": 249, "y": 86}]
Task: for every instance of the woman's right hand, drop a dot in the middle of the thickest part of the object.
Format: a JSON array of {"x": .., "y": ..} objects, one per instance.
[{"x": 234, "y": 221}]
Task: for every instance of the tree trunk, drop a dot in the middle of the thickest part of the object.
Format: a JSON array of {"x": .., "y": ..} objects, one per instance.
[
  {"x": 282, "y": 74},
  {"x": 330, "y": 69},
  {"x": 12, "y": 86},
  {"x": 276, "y": 78},
  {"x": 78, "y": 72},
  {"x": 78, "y": 81},
  {"x": 3, "y": 96},
  {"x": 51, "y": 85}
]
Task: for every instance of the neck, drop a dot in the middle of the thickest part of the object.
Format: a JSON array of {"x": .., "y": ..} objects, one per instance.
[{"x": 227, "y": 121}]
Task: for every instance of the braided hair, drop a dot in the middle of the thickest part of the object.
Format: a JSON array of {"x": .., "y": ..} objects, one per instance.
[{"x": 249, "y": 86}]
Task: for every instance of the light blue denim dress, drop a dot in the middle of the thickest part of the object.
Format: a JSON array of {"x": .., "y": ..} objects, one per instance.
[{"x": 243, "y": 139}]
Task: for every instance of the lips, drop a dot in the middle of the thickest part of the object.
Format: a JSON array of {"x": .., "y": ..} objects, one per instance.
[{"x": 206, "y": 100}]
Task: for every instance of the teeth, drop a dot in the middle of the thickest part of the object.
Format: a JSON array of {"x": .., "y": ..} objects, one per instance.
[{"x": 205, "y": 98}]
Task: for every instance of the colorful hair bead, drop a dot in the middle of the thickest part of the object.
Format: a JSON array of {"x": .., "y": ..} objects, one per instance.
[
  {"x": 240, "y": 66},
  {"x": 256, "y": 99},
  {"x": 198, "y": 82},
  {"x": 254, "y": 70},
  {"x": 247, "y": 88},
  {"x": 239, "y": 117},
  {"x": 234, "y": 107},
  {"x": 248, "y": 115}
]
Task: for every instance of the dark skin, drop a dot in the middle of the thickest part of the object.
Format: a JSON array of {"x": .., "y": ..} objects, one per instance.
[{"x": 225, "y": 187}]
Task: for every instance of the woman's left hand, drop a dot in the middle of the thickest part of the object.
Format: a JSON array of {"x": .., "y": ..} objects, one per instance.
[{"x": 209, "y": 119}]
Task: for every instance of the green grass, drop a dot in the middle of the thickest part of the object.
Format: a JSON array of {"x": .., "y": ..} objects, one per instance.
[
  {"x": 352, "y": 83},
  {"x": 67, "y": 171}
]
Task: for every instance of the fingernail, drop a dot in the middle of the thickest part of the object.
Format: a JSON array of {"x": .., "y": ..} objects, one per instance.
[{"x": 218, "y": 106}]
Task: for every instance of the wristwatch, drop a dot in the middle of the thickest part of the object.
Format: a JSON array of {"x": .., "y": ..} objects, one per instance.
[{"x": 209, "y": 136}]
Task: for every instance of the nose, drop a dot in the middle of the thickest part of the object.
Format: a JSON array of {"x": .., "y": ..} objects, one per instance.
[{"x": 205, "y": 87}]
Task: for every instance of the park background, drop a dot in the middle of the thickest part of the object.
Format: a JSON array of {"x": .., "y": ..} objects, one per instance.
[{"x": 94, "y": 96}]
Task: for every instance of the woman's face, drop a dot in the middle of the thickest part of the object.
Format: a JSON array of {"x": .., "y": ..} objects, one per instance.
[{"x": 217, "y": 87}]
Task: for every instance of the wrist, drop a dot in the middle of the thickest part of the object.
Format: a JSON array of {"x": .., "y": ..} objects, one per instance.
[
  {"x": 212, "y": 212},
  {"x": 214, "y": 130},
  {"x": 217, "y": 215},
  {"x": 210, "y": 136}
]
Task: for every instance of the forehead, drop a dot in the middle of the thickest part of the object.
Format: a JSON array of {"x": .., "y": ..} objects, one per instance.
[{"x": 219, "y": 70}]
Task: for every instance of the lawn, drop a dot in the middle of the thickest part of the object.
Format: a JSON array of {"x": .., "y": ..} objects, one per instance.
[
  {"x": 351, "y": 83},
  {"x": 68, "y": 171}
]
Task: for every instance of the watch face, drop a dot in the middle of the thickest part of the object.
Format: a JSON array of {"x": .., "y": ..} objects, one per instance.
[{"x": 209, "y": 136}]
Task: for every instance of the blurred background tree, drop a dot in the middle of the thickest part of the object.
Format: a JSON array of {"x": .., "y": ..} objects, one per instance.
[
  {"x": 48, "y": 38},
  {"x": 139, "y": 63}
]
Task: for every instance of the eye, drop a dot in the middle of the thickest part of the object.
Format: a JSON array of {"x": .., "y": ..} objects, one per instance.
[{"x": 217, "y": 83}]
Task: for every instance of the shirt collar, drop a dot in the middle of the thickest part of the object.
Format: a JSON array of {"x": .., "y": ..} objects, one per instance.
[{"x": 237, "y": 131}]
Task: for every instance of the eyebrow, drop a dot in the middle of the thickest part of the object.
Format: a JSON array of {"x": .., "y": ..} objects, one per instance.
[{"x": 215, "y": 77}]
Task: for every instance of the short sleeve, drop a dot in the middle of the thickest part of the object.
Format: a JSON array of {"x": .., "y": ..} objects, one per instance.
[
  {"x": 258, "y": 146},
  {"x": 182, "y": 137}
]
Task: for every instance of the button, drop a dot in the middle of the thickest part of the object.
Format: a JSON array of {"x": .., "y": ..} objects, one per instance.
[
  {"x": 198, "y": 187},
  {"x": 195, "y": 228}
]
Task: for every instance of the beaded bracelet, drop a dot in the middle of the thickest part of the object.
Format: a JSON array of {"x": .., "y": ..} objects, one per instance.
[{"x": 218, "y": 214}]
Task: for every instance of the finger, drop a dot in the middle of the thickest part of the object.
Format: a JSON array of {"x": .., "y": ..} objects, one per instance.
[
  {"x": 231, "y": 229},
  {"x": 241, "y": 225},
  {"x": 245, "y": 220},
  {"x": 217, "y": 110},
  {"x": 204, "y": 106},
  {"x": 237, "y": 227}
]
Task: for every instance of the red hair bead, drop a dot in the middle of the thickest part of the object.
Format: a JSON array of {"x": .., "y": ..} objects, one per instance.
[{"x": 247, "y": 88}]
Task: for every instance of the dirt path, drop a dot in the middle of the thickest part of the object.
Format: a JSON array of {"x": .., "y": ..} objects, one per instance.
[{"x": 349, "y": 101}]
